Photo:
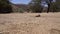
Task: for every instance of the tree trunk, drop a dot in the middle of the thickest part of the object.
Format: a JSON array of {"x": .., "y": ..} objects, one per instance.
[{"x": 48, "y": 8}]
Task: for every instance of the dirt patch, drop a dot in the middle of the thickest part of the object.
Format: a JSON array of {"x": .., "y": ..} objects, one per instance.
[
  {"x": 54, "y": 31},
  {"x": 27, "y": 23}
]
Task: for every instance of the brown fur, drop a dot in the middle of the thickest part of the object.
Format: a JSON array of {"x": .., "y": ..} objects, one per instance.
[{"x": 37, "y": 15}]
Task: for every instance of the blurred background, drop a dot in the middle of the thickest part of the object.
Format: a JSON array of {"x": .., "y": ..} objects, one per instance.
[{"x": 29, "y": 6}]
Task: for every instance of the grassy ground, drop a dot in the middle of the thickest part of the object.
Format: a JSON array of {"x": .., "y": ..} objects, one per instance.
[{"x": 27, "y": 23}]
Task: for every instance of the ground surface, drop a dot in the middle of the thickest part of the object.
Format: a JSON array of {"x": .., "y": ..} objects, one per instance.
[{"x": 27, "y": 23}]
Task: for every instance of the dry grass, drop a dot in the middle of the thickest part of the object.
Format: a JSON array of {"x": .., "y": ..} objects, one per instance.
[{"x": 27, "y": 23}]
